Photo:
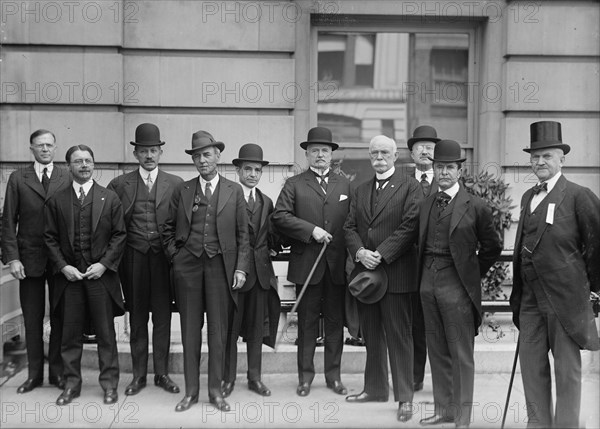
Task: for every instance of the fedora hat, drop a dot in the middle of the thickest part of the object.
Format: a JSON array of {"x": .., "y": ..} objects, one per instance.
[
  {"x": 203, "y": 139},
  {"x": 250, "y": 152},
  {"x": 423, "y": 133},
  {"x": 447, "y": 151},
  {"x": 546, "y": 135},
  {"x": 368, "y": 286},
  {"x": 147, "y": 135},
  {"x": 319, "y": 135}
]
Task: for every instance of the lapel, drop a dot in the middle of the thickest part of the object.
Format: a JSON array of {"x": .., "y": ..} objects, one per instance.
[
  {"x": 33, "y": 182},
  {"x": 311, "y": 181},
  {"x": 263, "y": 215},
  {"x": 425, "y": 213},
  {"x": 162, "y": 186},
  {"x": 130, "y": 190},
  {"x": 331, "y": 184},
  {"x": 225, "y": 192},
  {"x": 390, "y": 189},
  {"x": 366, "y": 202},
  {"x": 524, "y": 207},
  {"x": 555, "y": 197},
  {"x": 461, "y": 205},
  {"x": 57, "y": 179},
  {"x": 98, "y": 201},
  {"x": 188, "y": 193}
]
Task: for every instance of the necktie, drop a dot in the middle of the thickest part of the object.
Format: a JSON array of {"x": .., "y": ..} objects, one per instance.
[
  {"x": 45, "y": 179},
  {"x": 540, "y": 187},
  {"x": 425, "y": 184},
  {"x": 380, "y": 184},
  {"x": 323, "y": 183},
  {"x": 251, "y": 201},
  {"x": 81, "y": 195},
  {"x": 207, "y": 191},
  {"x": 149, "y": 182},
  {"x": 442, "y": 199}
]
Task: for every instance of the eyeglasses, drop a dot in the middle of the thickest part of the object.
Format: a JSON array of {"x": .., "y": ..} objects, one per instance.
[{"x": 83, "y": 161}]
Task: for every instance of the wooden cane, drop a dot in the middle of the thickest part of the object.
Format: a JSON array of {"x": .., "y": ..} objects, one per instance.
[
  {"x": 299, "y": 297},
  {"x": 510, "y": 384}
]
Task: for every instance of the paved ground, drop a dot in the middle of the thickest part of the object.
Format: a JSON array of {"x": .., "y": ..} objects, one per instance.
[{"x": 154, "y": 407}]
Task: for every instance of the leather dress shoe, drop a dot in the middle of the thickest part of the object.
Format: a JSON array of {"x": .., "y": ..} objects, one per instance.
[
  {"x": 303, "y": 389},
  {"x": 227, "y": 388},
  {"x": 29, "y": 385},
  {"x": 417, "y": 387},
  {"x": 166, "y": 383},
  {"x": 57, "y": 381},
  {"x": 67, "y": 396},
  {"x": 220, "y": 403},
  {"x": 436, "y": 419},
  {"x": 186, "y": 403},
  {"x": 258, "y": 387},
  {"x": 337, "y": 387},
  {"x": 137, "y": 384},
  {"x": 405, "y": 411},
  {"x": 365, "y": 397},
  {"x": 111, "y": 396}
]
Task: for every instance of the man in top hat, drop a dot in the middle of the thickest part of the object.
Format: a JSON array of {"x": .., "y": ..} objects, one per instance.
[
  {"x": 85, "y": 236},
  {"x": 381, "y": 231},
  {"x": 310, "y": 211},
  {"x": 457, "y": 246},
  {"x": 557, "y": 249},
  {"x": 206, "y": 239},
  {"x": 421, "y": 146},
  {"x": 257, "y": 314},
  {"x": 145, "y": 194},
  {"x": 27, "y": 192}
]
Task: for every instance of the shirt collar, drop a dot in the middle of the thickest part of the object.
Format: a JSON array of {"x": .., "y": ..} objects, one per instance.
[
  {"x": 39, "y": 168},
  {"x": 325, "y": 173},
  {"x": 552, "y": 181},
  {"x": 452, "y": 190},
  {"x": 386, "y": 175},
  {"x": 144, "y": 174},
  {"x": 213, "y": 183},
  {"x": 86, "y": 186},
  {"x": 248, "y": 191},
  {"x": 419, "y": 173}
]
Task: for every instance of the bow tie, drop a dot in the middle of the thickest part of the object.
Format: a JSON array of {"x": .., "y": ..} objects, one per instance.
[
  {"x": 442, "y": 199},
  {"x": 381, "y": 182},
  {"x": 540, "y": 187}
]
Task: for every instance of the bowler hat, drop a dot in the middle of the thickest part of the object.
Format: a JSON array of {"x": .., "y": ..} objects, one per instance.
[
  {"x": 447, "y": 151},
  {"x": 319, "y": 135},
  {"x": 422, "y": 133},
  {"x": 147, "y": 135},
  {"x": 368, "y": 286},
  {"x": 546, "y": 135},
  {"x": 203, "y": 139},
  {"x": 250, "y": 152}
]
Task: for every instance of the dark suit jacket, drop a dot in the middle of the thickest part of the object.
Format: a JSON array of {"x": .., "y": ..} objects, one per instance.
[
  {"x": 566, "y": 257},
  {"x": 301, "y": 206},
  {"x": 474, "y": 243},
  {"x": 432, "y": 188},
  {"x": 24, "y": 205},
  {"x": 125, "y": 186},
  {"x": 391, "y": 229},
  {"x": 108, "y": 238},
  {"x": 232, "y": 224}
]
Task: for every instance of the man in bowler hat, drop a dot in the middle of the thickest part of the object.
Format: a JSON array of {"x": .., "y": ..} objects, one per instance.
[
  {"x": 145, "y": 194},
  {"x": 310, "y": 211},
  {"x": 457, "y": 246},
  {"x": 257, "y": 314},
  {"x": 555, "y": 263},
  {"x": 27, "y": 193},
  {"x": 421, "y": 146},
  {"x": 206, "y": 239},
  {"x": 381, "y": 231}
]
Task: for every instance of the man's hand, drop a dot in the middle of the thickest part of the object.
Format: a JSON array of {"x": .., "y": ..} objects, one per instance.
[
  {"x": 72, "y": 274},
  {"x": 17, "y": 269},
  {"x": 320, "y": 235},
  {"x": 94, "y": 271},
  {"x": 239, "y": 278},
  {"x": 369, "y": 258}
]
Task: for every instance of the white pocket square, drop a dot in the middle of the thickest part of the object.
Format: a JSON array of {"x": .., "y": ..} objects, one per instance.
[{"x": 343, "y": 197}]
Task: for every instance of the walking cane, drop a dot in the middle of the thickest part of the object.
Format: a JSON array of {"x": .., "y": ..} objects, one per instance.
[
  {"x": 510, "y": 384},
  {"x": 299, "y": 297}
]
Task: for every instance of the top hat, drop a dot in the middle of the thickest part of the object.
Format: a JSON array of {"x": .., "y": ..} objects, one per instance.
[
  {"x": 447, "y": 151},
  {"x": 203, "y": 139},
  {"x": 319, "y": 135},
  {"x": 368, "y": 286},
  {"x": 147, "y": 135},
  {"x": 422, "y": 133},
  {"x": 250, "y": 152},
  {"x": 545, "y": 135}
]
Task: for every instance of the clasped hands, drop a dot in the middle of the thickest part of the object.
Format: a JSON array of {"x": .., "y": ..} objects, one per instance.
[
  {"x": 370, "y": 259},
  {"x": 93, "y": 272}
]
